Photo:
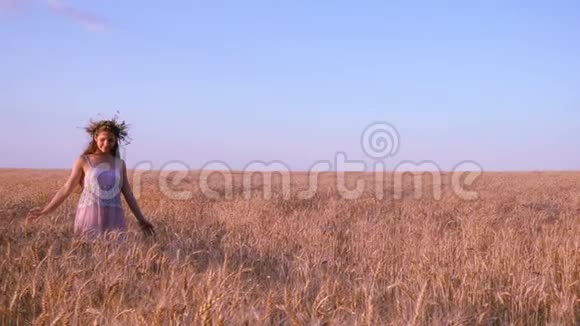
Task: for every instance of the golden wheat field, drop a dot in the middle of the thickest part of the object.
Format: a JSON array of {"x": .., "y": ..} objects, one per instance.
[{"x": 512, "y": 256}]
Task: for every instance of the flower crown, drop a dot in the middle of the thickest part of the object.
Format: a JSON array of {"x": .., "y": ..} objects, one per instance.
[{"x": 119, "y": 129}]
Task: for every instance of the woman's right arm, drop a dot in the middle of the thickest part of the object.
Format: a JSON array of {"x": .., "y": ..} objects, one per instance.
[{"x": 62, "y": 194}]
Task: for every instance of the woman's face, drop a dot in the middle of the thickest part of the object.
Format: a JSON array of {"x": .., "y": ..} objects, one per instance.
[{"x": 105, "y": 141}]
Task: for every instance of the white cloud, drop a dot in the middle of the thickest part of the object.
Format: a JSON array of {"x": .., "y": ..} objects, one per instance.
[{"x": 86, "y": 19}]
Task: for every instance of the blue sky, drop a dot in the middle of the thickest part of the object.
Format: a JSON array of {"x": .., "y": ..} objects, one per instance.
[{"x": 495, "y": 82}]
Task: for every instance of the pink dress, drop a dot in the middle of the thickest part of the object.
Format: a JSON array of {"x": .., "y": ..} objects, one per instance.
[{"x": 99, "y": 208}]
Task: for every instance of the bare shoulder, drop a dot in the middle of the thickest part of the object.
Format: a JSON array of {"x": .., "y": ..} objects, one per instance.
[{"x": 79, "y": 163}]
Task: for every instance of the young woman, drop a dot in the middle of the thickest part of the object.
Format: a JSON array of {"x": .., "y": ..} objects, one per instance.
[{"x": 103, "y": 175}]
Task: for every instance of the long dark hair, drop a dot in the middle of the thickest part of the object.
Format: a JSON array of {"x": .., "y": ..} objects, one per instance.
[{"x": 118, "y": 129}]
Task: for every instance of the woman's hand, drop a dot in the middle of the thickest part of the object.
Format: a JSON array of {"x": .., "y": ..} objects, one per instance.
[
  {"x": 33, "y": 215},
  {"x": 146, "y": 227}
]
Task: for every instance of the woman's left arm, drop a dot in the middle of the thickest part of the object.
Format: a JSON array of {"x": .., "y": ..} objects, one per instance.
[{"x": 132, "y": 202}]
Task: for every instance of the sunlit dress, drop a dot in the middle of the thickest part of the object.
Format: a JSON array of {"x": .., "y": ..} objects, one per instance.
[{"x": 99, "y": 209}]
